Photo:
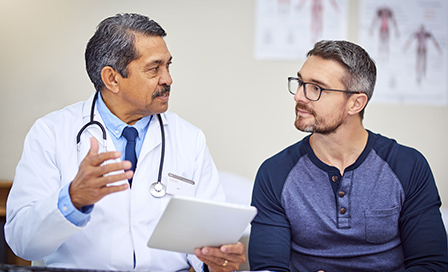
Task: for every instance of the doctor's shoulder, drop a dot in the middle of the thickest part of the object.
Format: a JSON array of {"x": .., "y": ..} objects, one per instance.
[
  {"x": 67, "y": 119},
  {"x": 183, "y": 128}
]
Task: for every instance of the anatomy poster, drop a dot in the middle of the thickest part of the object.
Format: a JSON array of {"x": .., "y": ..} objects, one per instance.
[
  {"x": 288, "y": 29},
  {"x": 408, "y": 41}
]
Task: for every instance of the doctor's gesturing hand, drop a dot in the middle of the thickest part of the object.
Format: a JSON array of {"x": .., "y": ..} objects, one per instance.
[
  {"x": 225, "y": 258},
  {"x": 90, "y": 183}
]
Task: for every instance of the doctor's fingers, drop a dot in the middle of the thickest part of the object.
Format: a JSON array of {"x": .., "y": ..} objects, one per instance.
[
  {"x": 95, "y": 177},
  {"x": 111, "y": 167},
  {"x": 88, "y": 188},
  {"x": 235, "y": 252},
  {"x": 90, "y": 169},
  {"x": 214, "y": 257},
  {"x": 98, "y": 159},
  {"x": 106, "y": 180},
  {"x": 238, "y": 248},
  {"x": 101, "y": 176},
  {"x": 220, "y": 265}
]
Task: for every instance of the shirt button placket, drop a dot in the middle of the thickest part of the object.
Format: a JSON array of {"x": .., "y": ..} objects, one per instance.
[{"x": 343, "y": 201}]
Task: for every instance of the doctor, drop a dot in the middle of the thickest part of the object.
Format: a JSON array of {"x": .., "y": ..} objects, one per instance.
[{"x": 79, "y": 205}]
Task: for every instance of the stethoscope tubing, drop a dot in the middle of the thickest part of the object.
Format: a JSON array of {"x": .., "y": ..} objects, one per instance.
[
  {"x": 162, "y": 154},
  {"x": 157, "y": 189}
]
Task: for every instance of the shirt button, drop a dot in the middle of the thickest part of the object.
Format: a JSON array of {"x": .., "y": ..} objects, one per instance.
[
  {"x": 341, "y": 194},
  {"x": 64, "y": 208},
  {"x": 334, "y": 178},
  {"x": 342, "y": 210}
]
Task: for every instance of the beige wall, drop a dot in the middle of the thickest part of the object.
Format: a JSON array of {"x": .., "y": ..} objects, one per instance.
[{"x": 241, "y": 104}]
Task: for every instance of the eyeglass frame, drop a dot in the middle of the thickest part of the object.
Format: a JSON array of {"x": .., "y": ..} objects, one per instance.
[{"x": 301, "y": 83}]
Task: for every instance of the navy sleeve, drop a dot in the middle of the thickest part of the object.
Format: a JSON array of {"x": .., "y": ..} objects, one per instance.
[
  {"x": 270, "y": 238},
  {"x": 422, "y": 234}
]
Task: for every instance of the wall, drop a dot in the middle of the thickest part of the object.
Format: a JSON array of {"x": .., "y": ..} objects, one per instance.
[{"x": 241, "y": 104}]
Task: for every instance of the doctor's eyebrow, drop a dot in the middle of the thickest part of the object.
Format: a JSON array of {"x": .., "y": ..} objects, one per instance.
[{"x": 158, "y": 62}]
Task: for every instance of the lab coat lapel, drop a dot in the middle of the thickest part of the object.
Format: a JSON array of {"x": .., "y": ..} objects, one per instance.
[{"x": 153, "y": 137}]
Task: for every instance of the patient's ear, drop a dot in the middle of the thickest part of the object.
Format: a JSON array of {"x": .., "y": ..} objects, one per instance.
[
  {"x": 110, "y": 78},
  {"x": 358, "y": 103}
]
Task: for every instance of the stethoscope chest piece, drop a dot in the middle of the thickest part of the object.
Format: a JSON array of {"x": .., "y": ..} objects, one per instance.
[{"x": 157, "y": 189}]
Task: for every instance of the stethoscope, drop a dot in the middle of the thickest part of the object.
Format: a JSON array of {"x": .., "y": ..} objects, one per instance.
[{"x": 157, "y": 189}]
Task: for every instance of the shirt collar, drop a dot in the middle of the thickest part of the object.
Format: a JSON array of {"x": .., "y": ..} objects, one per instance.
[{"x": 114, "y": 125}]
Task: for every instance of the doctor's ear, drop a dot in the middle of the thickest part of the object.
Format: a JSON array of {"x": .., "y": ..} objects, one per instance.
[{"x": 110, "y": 78}]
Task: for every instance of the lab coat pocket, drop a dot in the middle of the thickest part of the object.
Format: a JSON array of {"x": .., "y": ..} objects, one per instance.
[
  {"x": 178, "y": 185},
  {"x": 381, "y": 225}
]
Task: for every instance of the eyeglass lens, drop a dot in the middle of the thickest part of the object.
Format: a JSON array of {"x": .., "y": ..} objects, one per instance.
[{"x": 311, "y": 91}]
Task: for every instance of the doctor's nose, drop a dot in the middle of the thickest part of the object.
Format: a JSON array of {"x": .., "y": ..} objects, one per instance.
[{"x": 165, "y": 78}]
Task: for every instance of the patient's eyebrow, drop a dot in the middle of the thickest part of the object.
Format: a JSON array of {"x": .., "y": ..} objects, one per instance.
[{"x": 314, "y": 81}]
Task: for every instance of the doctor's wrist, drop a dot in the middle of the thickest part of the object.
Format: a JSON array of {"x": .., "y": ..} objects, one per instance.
[{"x": 69, "y": 211}]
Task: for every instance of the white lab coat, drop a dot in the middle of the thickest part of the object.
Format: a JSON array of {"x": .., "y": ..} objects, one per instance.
[{"x": 120, "y": 223}]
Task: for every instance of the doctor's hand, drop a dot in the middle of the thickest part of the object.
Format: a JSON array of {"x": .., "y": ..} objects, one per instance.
[
  {"x": 90, "y": 183},
  {"x": 224, "y": 258}
]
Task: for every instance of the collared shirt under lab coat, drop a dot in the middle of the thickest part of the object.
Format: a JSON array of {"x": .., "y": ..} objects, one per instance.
[{"x": 120, "y": 223}]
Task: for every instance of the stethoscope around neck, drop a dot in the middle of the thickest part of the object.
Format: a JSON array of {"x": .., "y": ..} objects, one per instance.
[{"x": 157, "y": 189}]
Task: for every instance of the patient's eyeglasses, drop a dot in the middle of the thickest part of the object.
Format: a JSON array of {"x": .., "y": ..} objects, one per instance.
[{"x": 312, "y": 91}]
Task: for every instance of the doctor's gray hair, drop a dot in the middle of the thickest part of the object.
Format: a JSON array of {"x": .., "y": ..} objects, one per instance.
[
  {"x": 113, "y": 44},
  {"x": 360, "y": 68}
]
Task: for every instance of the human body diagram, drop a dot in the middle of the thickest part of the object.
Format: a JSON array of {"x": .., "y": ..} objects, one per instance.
[
  {"x": 422, "y": 35},
  {"x": 384, "y": 16},
  {"x": 317, "y": 8}
]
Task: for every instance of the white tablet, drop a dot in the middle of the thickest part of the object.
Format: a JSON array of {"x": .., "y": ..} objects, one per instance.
[{"x": 188, "y": 223}]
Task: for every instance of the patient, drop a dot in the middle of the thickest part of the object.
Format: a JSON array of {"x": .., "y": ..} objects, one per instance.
[{"x": 344, "y": 198}]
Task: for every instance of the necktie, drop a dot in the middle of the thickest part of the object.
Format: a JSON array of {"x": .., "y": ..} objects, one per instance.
[{"x": 130, "y": 134}]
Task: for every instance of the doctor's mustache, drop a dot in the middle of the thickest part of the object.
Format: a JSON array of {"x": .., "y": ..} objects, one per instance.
[{"x": 166, "y": 89}]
